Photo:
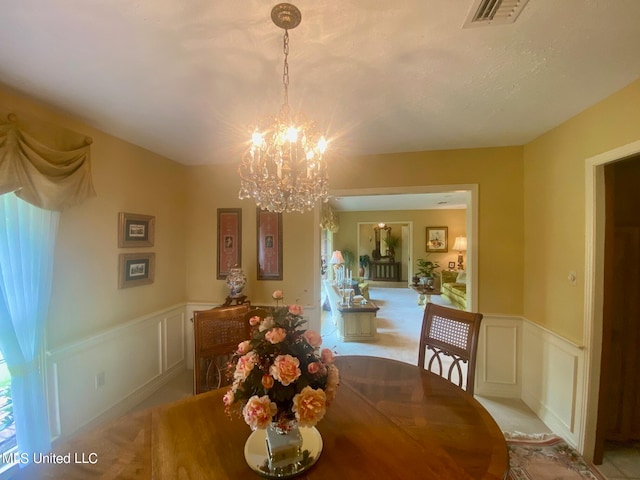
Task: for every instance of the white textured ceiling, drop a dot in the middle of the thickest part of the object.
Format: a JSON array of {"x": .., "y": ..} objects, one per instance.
[{"x": 186, "y": 78}]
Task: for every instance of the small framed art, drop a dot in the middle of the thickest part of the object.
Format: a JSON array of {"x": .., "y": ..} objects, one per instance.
[
  {"x": 269, "y": 245},
  {"x": 437, "y": 239},
  {"x": 136, "y": 230},
  {"x": 136, "y": 269},
  {"x": 229, "y": 240},
  {"x": 452, "y": 265}
]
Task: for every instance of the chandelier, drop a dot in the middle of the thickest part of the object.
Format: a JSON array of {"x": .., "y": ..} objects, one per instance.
[{"x": 284, "y": 168}]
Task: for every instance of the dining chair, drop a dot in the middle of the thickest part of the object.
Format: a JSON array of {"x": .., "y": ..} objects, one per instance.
[
  {"x": 449, "y": 338},
  {"x": 217, "y": 333}
]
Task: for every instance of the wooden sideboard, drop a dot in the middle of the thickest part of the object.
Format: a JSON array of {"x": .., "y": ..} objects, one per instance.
[{"x": 389, "y": 271}]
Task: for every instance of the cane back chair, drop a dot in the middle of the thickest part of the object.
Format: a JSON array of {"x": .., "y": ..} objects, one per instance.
[
  {"x": 217, "y": 333},
  {"x": 449, "y": 339}
]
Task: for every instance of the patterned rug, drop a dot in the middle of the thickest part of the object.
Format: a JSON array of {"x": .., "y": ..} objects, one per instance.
[{"x": 546, "y": 457}]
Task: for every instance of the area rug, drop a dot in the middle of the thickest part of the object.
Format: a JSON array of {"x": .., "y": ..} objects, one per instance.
[{"x": 546, "y": 457}]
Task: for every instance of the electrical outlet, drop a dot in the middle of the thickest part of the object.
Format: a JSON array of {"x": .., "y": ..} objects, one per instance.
[{"x": 100, "y": 380}]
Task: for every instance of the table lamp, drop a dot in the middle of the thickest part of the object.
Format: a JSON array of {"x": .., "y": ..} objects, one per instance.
[
  {"x": 337, "y": 260},
  {"x": 461, "y": 246}
]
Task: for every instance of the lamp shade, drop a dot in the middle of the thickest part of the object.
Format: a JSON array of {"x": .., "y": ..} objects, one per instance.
[
  {"x": 460, "y": 244},
  {"x": 336, "y": 258}
]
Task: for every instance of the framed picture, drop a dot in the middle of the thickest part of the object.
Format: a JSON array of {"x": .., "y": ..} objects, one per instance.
[
  {"x": 229, "y": 240},
  {"x": 135, "y": 230},
  {"x": 136, "y": 269},
  {"x": 437, "y": 239},
  {"x": 452, "y": 265},
  {"x": 269, "y": 230}
]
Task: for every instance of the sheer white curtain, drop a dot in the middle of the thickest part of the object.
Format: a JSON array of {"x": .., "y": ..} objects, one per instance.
[{"x": 27, "y": 241}]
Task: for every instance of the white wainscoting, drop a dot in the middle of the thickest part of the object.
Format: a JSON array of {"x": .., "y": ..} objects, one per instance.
[
  {"x": 552, "y": 377},
  {"x": 105, "y": 375},
  {"x": 520, "y": 359},
  {"x": 498, "y": 363}
]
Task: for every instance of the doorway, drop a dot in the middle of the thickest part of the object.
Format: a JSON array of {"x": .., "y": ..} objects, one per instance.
[
  {"x": 471, "y": 197},
  {"x": 591, "y": 440},
  {"x": 619, "y": 399}
]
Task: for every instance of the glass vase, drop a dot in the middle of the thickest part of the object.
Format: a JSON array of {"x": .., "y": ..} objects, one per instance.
[{"x": 283, "y": 450}]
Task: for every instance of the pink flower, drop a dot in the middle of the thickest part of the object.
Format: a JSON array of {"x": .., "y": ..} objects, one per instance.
[
  {"x": 276, "y": 335},
  {"x": 255, "y": 320},
  {"x": 228, "y": 398},
  {"x": 285, "y": 369},
  {"x": 244, "y": 347},
  {"x": 326, "y": 355},
  {"x": 245, "y": 365},
  {"x": 309, "y": 406},
  {"x": 267, "y": 381},
  {"x": 295, "y": 309},
  {"x": 258, "y": 412},
  {"x": 313, "y": 368},
  {"x": 313, "y": 338},
  {"x": 278, "y": 295}
]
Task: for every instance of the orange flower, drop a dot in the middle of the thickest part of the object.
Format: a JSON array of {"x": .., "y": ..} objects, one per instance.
[
  {"x": 285, "y": 369},
  {"x": 267, "y": 381},
  {"x": 309, "y": 406},
  {"x": 276, "y": 335},
  {"x": 259, "y": 411}
]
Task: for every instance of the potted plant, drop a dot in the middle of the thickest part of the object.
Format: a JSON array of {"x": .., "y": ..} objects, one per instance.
[
  {"x": 364, "y": 263},
  {"x": 426, "y": 269},
  {"x": 391, "y": 242}
]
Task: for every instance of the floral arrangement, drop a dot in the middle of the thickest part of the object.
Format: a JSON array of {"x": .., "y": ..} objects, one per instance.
[{"x": 281, "y": 375}]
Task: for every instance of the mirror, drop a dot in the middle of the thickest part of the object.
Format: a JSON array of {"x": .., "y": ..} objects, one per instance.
[{"x": 381, "y": 232}]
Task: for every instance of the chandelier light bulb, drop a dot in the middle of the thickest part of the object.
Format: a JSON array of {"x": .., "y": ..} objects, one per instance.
[
  {"x": 322, "y": 144},
  {"x": 292, "y": 134},
  {"x": 257, "y": 139}
]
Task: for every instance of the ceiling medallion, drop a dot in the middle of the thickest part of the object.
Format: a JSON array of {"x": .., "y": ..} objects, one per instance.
[{"x": 284, "y": 169}]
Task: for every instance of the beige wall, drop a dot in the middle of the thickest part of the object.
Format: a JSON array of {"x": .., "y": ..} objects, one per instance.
[
  {"x": 85, "y": 296},
  {"x": 213, "y": 187},
  {"x": 554, "y": 207},
  {"x": 498, "y": 172}
]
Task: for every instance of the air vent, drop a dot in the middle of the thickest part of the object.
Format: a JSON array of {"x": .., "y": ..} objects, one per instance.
[{"x": 494, "y": 12}]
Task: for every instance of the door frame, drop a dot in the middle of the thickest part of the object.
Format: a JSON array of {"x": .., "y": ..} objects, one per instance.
[
  {"x": 471, "y": 196},
  {"x": 593, "y": 288}
]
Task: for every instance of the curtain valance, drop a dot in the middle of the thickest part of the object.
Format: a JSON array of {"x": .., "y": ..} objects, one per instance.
[
  {"x": 329, "y": 218},
  {"x": 42, "y": 175}
]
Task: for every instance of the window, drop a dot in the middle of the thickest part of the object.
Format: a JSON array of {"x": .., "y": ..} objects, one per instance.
[{"x": 7, "y": 425}]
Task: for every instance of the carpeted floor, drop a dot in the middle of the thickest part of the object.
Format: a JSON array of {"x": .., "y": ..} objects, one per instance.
[
  {"x": 546, "y": 457},
  {"x": 399, "y": 321}
]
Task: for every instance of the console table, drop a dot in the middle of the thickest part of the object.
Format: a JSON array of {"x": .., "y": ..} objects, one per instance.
[
  {"x": 389, "y": 271},
  {"x": 424, "y": 294},
  {"x": 357, "y": 322}
]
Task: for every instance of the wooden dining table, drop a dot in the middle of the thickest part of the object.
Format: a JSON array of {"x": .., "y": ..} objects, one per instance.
[{"x": 389, "y": 420}]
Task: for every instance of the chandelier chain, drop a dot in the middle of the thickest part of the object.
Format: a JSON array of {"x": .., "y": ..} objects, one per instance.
[{"x": 285, "y": 74}]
